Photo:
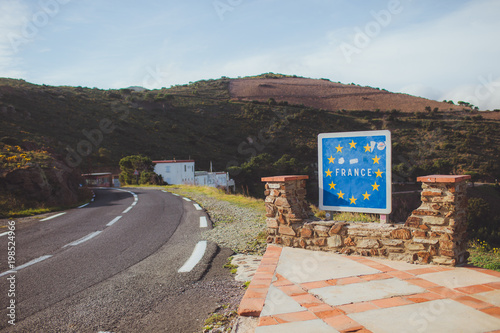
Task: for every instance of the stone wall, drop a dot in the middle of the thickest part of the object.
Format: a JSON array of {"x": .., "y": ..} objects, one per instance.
[{"x": 434, "y": 233}]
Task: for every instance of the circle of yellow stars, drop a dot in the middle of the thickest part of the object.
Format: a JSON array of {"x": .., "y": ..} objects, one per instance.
[{"x": 375, "y": 186}]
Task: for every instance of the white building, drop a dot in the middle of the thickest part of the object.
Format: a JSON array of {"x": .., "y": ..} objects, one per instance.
[
  {"x": 176, "y": 172},
  {"x": 212, "y": 179}
]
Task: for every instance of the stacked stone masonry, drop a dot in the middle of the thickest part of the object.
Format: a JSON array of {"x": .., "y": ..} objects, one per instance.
[{"x": 434, "y": 233}]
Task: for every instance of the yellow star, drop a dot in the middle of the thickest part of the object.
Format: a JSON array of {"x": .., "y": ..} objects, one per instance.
[
  {"x": 375, "y": 187},
  {"x": 376, "y": 159},
  {"x": 328, "y": 173},
  {"x": 332, "y": 186},
  {"x": 341, "y": 195},
  {"x": 353, "y": 200},
  {"x": 379, "y": 173},
  {"x": 339, "y": 148},
  {"x": 353, "y": 144},
  {"x": 366, "y": 196},
  {"x": 367, "y": 148},
  {"x": 331, "y": 159}
]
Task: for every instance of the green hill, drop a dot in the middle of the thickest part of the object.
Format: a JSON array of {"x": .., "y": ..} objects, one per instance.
[{"x": 89, "y": 130}]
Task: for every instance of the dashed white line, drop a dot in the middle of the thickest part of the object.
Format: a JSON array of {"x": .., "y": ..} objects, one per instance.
[
  {"x": 4, "y": 233},
  {"x": 177, "y": 195},
  {"x": 83, "y": 239},
  {"x": 113, "y": 221},
  {"x": 203, "y": 222},
  {"x": 196, "y": 256},
  {"x": 187, "y": 199},
  {"x": 85, "y": 205},
  {"x": 32, "y": 262},
  {"x": 197, "y": 207},
  {"x": 52, "y": 217},
  {"x": 127, "y": 210}
]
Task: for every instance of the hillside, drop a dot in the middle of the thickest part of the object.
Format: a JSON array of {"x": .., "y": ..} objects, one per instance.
[
  {"x": 323, "y": 94},
  {"x": 253, "y": 126}
]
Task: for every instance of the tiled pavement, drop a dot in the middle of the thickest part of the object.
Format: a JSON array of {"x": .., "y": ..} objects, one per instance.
[{"x": 297, "y": 290}]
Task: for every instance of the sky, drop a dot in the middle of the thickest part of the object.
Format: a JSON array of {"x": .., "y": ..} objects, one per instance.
[{"x": 438, "y": 49}]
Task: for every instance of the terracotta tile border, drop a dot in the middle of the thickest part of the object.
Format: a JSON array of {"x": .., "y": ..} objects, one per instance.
[
  {"x": 401, "y": 275},
  {"x": 294, "y": 316},
  {"x": 337, "y": 316},
  {"x": 357, "y": 307},
  {"x": 253, "y": 301},
  {"x": 267, "y": 321},
  {"x": 473, "y": 302},
  {"x": 494, "y": 285},
  {"x": 494, "y": 311},
  {"x": 475, "y": 289},
  {"x": 293, "y": 290}
]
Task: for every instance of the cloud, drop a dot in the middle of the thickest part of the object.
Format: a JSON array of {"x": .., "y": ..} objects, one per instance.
[
  {"x": 13, "y": 18},
  {"x": 437, "y": 58}
]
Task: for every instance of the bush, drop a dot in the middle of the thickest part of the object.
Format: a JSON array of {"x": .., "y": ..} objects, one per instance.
[{"x": 480, "y": 224}]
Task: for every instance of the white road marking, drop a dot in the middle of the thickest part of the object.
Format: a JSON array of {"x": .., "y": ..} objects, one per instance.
[
  {"x": 134, "y": 203},
  {"x": 127, "y": 210},
  {"x": 164, "y": 191},
  {"x": 113, "y": 221},
  {"x": 203, "y": 222},
  {"x": 84, "y": 239},
  {"x": 176, "y": 194},
  {"x": 187, "y": 199},
  {"x": 197, "y": 207},
  {"x": 85, "y": 205},
  {"x": 5, "y": 233},
  {"x": 32, "y": 262},
  {"x": 52, "y": 217},
  {"x": 196, "y": 256}
]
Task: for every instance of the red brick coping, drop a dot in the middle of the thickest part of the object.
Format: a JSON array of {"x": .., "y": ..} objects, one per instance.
[
  {"x": 443, "y": 179},
  {"x": 284, "y": 178}
]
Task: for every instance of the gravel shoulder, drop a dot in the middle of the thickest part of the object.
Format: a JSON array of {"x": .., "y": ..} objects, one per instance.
[{"x": 239, "y": 228}]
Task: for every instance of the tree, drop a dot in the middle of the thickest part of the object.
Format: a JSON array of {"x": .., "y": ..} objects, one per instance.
[{"x": 144, "y": 167}]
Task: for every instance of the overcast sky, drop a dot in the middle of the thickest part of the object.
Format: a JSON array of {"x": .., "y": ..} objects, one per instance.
[{"x": 439, "y": 49}]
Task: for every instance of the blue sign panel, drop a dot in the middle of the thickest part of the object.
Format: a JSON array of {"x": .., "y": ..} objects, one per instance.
[{"x": 355, "y": 172}]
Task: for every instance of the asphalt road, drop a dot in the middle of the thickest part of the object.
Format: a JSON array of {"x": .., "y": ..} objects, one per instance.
[{"x": 91, "y": 271}]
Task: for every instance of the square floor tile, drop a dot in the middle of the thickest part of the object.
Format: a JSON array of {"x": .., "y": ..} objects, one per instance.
[
  {"x": 277, "y": 302},
  {"x": 429, "y": 317},
  {"x": 492, "y": 297},
  {"x": 316, "y": 326},
  {"x": 300, "y": 266},
  {"x": 459, "y": 277},
  {"x": 366, "y": 291}
]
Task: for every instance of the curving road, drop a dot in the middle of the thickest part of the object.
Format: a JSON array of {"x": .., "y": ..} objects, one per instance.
[{"x": 106, "y": 266}]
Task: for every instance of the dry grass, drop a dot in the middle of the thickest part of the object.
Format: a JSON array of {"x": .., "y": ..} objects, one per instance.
[{"x": 323, "y": 94}]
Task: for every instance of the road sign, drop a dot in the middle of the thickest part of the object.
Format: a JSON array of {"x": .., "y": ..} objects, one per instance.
[
  {"x": 136, "y": 173},
  {"x": 355, "y": 172}
]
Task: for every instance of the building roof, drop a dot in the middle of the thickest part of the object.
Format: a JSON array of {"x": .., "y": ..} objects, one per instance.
[{"x": 173, "y": 161}]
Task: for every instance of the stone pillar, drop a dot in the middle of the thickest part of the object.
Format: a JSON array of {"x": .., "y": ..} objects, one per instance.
[
  {"x": 439, "y": 224},
  {"x": 286, "y": 207}
]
